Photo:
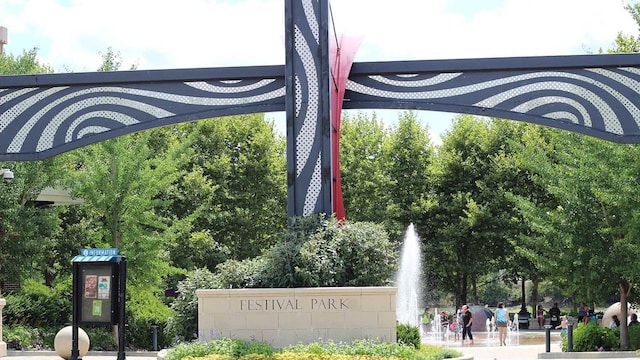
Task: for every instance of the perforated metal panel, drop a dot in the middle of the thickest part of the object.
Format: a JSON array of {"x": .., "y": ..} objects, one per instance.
[
  {"x": 309, "y": 161},
  {"x": 595, "y": 94},
  {"x": 44, "y": 115}
]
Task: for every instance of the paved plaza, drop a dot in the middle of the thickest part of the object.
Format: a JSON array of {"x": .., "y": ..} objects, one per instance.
[{"x": 524, "y": 345}]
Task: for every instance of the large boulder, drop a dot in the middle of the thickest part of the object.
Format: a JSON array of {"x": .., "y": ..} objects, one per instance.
[{"x": 616, "y": 309}]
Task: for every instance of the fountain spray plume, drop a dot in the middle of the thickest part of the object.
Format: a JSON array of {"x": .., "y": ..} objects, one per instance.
[{"x": 409, "y": 280}]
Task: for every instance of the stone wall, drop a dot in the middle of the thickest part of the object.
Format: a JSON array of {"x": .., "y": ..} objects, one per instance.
[{"x": 289, "y": 316}]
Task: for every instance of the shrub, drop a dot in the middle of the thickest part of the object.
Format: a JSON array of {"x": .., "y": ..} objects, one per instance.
[
  {"x": 37, "y": 305},
  {"x": 20, "y": 337},
  {"x": 227, "y": 349},
  {"x": 593, "y": 337},
  {"x": 183, "y": 325},
  {"x": 101, "y": 338},
  {"x": 231, "y": 348},
  {"x": 317, "y": 252},
  {"x": 144, "y": 310},
  {"x": 248, "y": 273},
  {"x": 408, "y": 335},
  {"x": 432, "y": 352},
  {"x": 356, "y": 347},
  {"x": 634, "y": 337}
]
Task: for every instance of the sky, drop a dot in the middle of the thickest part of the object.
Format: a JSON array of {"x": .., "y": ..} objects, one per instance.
[{"x": 71, "y": 35}]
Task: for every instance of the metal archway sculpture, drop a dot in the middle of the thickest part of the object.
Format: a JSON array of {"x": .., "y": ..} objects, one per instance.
[{"x": 44, "y": 115}]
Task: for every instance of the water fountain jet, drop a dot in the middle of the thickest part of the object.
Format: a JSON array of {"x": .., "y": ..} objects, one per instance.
[{"x": 409, "y": 280}]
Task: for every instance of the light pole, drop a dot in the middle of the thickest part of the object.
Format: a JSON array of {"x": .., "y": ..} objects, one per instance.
[
  {"x": 3, "y": 38},
  {"x": 523, "y": 315},
  {"x": 7, "y": 176}
]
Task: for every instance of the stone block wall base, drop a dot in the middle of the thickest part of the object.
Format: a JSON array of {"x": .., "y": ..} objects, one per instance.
[{"x": 3, "y": 349}]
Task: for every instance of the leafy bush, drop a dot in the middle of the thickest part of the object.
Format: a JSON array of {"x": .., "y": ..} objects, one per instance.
[
  {"x": 184, "y": 322},
  {"x": 248, "y": 273},
  {"x": 431, "y": 352},
  {"x": 357, "y": 347},
  {"x": 101, "y": 338},
  {"x": 317, "y": 252},
  {"x": 232, "y": 348},
  {"x": 144, "y": 310},
  {"x": 593, "y": 337},
  {"x": 349, "y": 254},
  {"x": 408, "y": 335},
  {"x": 284, "y": 259},
  {"x": 37, "y": 305},
  {"x": 20, "y": 337},
  {"x": 227, "y": 349},
  {"x": 634, "y": 337}
]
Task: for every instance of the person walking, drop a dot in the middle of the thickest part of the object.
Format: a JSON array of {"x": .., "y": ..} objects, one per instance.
[
  {"x": 467, "y": 321},
  {"x": 502, "y": 322},
  {"x": 540, "y": 316}
]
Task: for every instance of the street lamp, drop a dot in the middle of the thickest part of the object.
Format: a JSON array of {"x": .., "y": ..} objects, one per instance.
[
  {"x": 7, "y": 175},
  {"x": 3, "y": 38}
]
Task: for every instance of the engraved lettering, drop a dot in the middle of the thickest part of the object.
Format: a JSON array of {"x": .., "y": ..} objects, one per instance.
[
  {"x": 343, "y": 304},
  {"x": 332, "y": 304}
]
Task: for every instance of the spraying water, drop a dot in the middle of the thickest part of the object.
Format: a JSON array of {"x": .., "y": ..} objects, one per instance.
[{"x": 409, "y": 279}]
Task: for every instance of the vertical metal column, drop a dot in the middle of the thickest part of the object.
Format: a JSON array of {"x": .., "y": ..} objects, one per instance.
[
  {"x": 308, "y": 107},
  {"x": 75, "y": 315},
  {"x": 122, "y": 296}
]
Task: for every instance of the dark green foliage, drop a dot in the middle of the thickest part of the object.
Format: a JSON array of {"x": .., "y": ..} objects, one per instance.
[
  {"x": 248, "y": 273},
  {"x": 19, "y": 337},
  {"x": 593, "y": 337},
  {"x": 284, "y": 258},
  {"x": 184, "y": 324},
  {"x": 234, "y": 191},
  {"x": 634, "y": 337},
  {"x": 144, "y": 309},
  {"x": 364, "y": 256},
  {"x": 317, "y": 252},
  {"x": 37, "y": 305},
  {"x": 101, "y": 338},
  {"x": 408, "y": 335}
]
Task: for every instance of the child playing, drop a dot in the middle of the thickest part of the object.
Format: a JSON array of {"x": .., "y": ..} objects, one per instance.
[
  {"x": 455, "y": 329},
  {"x": 564, "y": 324}
]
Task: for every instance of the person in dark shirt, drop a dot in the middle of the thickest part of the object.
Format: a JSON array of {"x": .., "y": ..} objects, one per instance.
[
  {"x": 554, "y": 316},
  {"x": 467, "y": 321},
  {"x": 634, "y": 320}
]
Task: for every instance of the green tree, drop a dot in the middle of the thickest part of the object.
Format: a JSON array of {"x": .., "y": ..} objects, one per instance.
[
  {"x": 23, "y": 64},
  {"x": 596, "y": 222},
  {"x": 234, "y": 191},
  {"x": 363, "y": 164},
  {"x": 473, "y": 224},
  {"x": 25, "y": 230},
  {"x": 409, "y": 153},
  {"x": 120, "y": 180}
]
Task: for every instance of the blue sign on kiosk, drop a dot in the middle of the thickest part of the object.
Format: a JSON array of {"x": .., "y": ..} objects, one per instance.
[{"x": 99, "y": 293}]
